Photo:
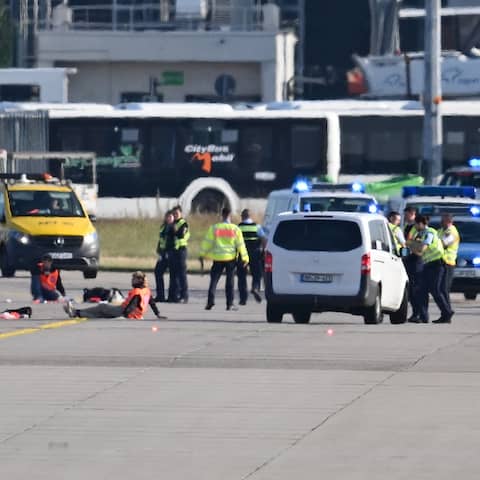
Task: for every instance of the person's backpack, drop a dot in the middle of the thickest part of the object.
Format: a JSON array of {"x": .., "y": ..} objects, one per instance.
[{"x": 100, "y": 294}]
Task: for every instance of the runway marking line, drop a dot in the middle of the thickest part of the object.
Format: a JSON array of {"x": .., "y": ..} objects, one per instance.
[{"x": 46, "y": 326}]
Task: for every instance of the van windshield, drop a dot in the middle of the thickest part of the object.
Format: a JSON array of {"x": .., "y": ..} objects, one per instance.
[
  {"x": 318, "y": 235},
  {"x": 44, "y": 203},
  {"x": 335, "y": 204}
]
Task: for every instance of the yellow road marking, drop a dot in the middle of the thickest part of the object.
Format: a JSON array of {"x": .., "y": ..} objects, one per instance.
[{"x": 46, "y": 326}]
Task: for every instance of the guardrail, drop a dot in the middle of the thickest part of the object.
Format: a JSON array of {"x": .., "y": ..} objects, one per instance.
[{"x": 155, "y": 16}]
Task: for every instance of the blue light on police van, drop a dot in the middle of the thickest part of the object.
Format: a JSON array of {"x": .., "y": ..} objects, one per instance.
[
  {"x": 476, "y": 261},
  {"x": 301, "y": 186},
  {"x": 475, "y": 211},
  {"x": 358, "y": 187},
  {"x": 372, "y": 208},
  {"x": 307, "y": 207},
  {"x": 438, "y": 191},
  {"x": 474, "y": 162}
]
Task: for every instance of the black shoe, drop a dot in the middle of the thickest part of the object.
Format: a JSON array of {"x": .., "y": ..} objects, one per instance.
[
  {"x": 414, "y": 320},
  {"x": 243, "y": 302},
  {"x": 209, "y": 306},
  {"x": 256, "y": 296},
  {"x": 443, "y": 320},
  {"x": 232, "y": 307},
  {"x": 159, "y": 300}
]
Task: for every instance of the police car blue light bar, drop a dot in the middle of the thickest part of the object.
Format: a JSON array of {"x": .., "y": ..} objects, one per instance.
[
  {"x": 355, "y": 187},
  {"x": 301, "y": 185},
  {"x": 476, "y": 262},
  {"x": 438, "y": 191},
  {"x": 474, "y": 162}
]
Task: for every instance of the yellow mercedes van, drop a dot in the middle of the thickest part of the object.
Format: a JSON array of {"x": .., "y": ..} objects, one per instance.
[{"x": 39, "y": 217}]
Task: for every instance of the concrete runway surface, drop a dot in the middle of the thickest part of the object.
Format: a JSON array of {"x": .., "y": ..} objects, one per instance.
[{"x": 223, "y": 395}]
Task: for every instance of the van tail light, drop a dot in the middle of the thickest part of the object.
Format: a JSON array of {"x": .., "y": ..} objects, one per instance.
[
  {"x": 366, "y": 264},
  {"x": 268, "y": 262}
]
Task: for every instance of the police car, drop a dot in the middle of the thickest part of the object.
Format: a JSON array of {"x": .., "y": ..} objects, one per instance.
[
  {"x": 333, "y": 261},
  {"x": 306, "y": 196},
  {"x": 463, "y": 176},
  {"x": 435, "y": 200},
  {"x": 466, "y": 277}
]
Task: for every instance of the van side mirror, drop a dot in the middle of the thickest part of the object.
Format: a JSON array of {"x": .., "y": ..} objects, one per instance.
[
  {"x": 404, "y": 252},
  {"x": 92, "y": 217}
]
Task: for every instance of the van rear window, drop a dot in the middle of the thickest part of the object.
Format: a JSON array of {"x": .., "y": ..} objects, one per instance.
[{"x": 318, "y": 235}]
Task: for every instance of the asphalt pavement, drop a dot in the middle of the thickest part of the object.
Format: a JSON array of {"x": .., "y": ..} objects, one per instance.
[{"x": 224, "y": 395}]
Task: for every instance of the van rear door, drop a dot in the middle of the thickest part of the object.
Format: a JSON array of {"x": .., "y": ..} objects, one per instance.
[{"x": 326, "y": 258}]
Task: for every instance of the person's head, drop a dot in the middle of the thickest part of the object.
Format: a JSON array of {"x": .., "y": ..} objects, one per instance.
[
  {"x": 56, "y": 204},
  {"x": 421, "y": 222},
  {"x": 409, "y": 214},
  {"x": 47, "y": 262},
  {"x": 226, "y": 212},
  {"x": 169, "y": 218},
  {"x": 394, "y": 218},
  {"x": 177, "y": 212},
  {"x": 139, "y": 279},
  {"x": 245, "y": 215},
  {"x": 447, "y": 220}
]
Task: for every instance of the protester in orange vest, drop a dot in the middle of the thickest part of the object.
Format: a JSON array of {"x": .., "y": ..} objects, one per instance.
[
  {"x": 46, "y": 284},
  {"x": 134, "y": 306}
]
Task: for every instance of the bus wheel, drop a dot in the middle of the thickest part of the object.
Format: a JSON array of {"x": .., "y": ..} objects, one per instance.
[{"x": 209, "y": 201}]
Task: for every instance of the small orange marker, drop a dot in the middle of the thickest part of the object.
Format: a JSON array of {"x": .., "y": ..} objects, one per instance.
[
  {"x": 330, "y": 332},
  {"x": 154, "y": 328}
]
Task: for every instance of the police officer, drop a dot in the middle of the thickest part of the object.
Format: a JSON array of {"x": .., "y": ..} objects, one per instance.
[
  {"x": 46, "y": 283},
  {"x": 181, "y": 237},
  {"x": 165, "y": 247},
  {"x": 223, "y": 243},
  {"x": 254, "y": 238},
  {"x": 413, "y": 263},
  {"x": 430, "y": 248},
  {"x": 450, "y": 238},
  {"x": 394, "y": 225}
]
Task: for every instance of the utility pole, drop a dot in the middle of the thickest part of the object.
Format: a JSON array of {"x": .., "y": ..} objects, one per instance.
[{"x": 432, "y": 125}]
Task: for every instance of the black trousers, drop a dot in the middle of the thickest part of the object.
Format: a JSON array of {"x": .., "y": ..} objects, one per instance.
[
  {"x": 215, "y": 274},
  {"x": 448, "y": 280},
  {"x": 432, "y": 278},
  {"x": 256, "y": 269},
  {"x": 180, "y": 273},
  {"x": 414, "y": 268},
  {"x": 163, "y": 264}
]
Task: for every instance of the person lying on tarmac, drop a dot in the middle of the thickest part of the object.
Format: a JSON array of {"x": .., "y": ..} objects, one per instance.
[
  {"x": 46, "y": 283},
  {"x": 133, "y": 307}
]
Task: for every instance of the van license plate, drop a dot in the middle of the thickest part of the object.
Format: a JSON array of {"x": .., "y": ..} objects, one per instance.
[
  {"x": 61, "y": 255},
  {"x": 317, "y": 277}
]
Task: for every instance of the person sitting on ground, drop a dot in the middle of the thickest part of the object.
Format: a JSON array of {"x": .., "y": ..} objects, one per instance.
[
  {"x": 46, "y": 283},
  {"x": 134, "y": 306}
]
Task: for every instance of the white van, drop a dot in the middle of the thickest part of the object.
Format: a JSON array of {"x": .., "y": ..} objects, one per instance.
[
  {"x": 338, "y": 262},
  {"x": 319, "y": 197}
]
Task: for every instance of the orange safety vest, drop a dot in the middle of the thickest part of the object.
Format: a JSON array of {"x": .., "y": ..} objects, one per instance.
[
  {"x": 145, "y": 295},
  {"x": 48, "y": 281}
]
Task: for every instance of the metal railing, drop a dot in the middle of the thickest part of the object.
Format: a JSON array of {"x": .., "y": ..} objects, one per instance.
[{"x": 155, "y": 16}]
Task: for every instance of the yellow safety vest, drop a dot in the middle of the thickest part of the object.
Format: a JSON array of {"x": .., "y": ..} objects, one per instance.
[
  {"x": 181, "y": 242},
  {"x": 434, "y": 251},
  {"x": 223, "y": 242},
  {"x": 162, "y": 241},
  {"x": 394, "y": 229},
  {"x": 451, "y": 251}
]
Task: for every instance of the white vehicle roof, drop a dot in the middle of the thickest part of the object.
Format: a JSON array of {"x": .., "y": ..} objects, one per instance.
[
  {"x": 357, "y": 217},
  {"x": 287, "y": 192},
  {"x": 441, "y": 200}
]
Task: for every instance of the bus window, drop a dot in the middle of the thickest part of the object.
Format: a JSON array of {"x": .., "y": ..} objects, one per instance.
[
  {"x": 306, "y": 146},
  {"x": 162, "y": 147},
  {"x": 257, "y": 148},
  {"x": 453, "y": 148},
  {"x": 70, "y": 139}
]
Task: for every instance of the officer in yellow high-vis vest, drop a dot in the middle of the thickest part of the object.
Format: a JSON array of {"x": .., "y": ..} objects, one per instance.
[
  {"x": 450, "y": 239},
  {"x": 181, "y": 235},
  {"x": 222, "y": 244},
  {"x": 430, "y": 248},
  {"x": 394, "y": 219}
]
